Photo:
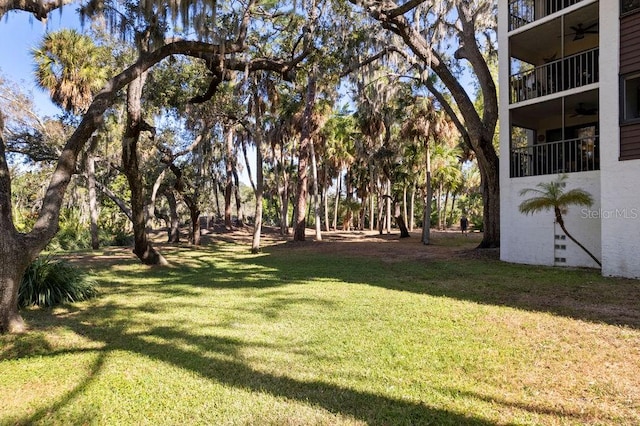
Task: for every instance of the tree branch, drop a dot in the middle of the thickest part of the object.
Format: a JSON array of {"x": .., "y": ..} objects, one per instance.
[
  {"x": 223, "y": 65},
  {"x": 37, "y": 8},
  {"x": 401, "y": 10},
  {"x": 369, "y": 60},
  {"x": 5, "y": 183},
  {"x": 117, "y": 200}
]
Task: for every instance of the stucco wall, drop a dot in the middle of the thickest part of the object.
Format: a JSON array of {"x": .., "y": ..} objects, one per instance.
[
  {"x": 531, "y": 239},
  {"x": 620, "y": 179}
]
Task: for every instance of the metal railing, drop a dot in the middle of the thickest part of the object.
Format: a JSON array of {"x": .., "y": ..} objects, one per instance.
[
  {"x": 568, "y": 156},
  {"x": 523, "y": 12},
  {"x": 562, "y": 74}
]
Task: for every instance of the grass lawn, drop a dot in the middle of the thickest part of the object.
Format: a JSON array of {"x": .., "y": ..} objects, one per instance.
[{"x": 299, "y": 336}]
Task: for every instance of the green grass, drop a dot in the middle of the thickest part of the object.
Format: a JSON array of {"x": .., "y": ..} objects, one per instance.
[{"x": 289, "y": 338}]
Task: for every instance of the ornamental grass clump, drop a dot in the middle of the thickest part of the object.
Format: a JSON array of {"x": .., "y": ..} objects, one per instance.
[{"x": 49, "y": 282}]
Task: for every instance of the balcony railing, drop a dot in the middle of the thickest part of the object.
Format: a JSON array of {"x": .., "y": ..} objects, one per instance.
[
  {"x": 523, "y": 12},
  {"x": 568, "y": 156},
  {"x": 562, "y": 74}
]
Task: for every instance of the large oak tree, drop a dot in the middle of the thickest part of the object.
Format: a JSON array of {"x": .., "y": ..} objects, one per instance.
[
  {"x": 427, "y": 29},
  {"x": 18, "y": 249}
]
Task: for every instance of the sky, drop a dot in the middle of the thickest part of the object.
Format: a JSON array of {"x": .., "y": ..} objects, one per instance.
[{"x": 19, "y": 34}]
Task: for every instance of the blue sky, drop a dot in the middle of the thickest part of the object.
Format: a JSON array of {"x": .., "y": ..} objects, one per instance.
[{"x": 19, "y": 34}]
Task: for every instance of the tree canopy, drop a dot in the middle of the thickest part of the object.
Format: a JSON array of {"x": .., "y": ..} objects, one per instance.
[{"x": 163, "y": 100}]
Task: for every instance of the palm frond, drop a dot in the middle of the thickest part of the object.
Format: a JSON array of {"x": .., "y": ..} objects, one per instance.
[
  {"x": 536, "y": 204},
  {"x": 577, "y": 197},
  {"x": 526, "y": 191},
  {"x": 551, "y": 196}
]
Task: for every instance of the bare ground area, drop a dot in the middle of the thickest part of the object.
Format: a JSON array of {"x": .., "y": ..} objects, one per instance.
[{"x": 385, "y": 247}]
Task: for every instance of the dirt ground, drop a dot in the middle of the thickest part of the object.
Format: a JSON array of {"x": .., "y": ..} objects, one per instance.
[{"x": 387, "y": 247}]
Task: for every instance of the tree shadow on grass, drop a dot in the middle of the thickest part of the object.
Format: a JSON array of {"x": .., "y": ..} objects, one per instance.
[
  {"x": 219, "y": 359},
  {"x": 68, "y": 398},
  {"x": 573, "y": 415},
  {"x": 576, "y": 293},
  {"x": 497, "y": 284}
]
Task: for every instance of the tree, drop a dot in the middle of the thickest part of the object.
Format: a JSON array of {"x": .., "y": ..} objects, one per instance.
[
  {"x": 552, "y": 196},
  {"x": 39, "y": 9},
  {"x": 257, "y": 109},
  {"x": 428, "y": 30},
  {"x": 338, "y": 135},
  {"x": 446, "y": 177},
  {"x": 72, "y": 69},
  {"x": 18, "y": 249}
]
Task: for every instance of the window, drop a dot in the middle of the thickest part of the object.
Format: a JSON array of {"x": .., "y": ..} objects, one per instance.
[
  {"x": 627, "y": 6},
  {"x": 631, "y": 98}
]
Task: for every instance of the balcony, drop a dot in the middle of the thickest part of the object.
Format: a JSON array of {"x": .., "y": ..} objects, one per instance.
[
  {"x": 523, "y": 12},
  {"x": 567, "y": 156},
  {"x": 555, "y": 76}
]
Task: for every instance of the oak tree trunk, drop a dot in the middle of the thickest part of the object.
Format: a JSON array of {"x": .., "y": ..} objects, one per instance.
[
  {"x": 491, "y": 197},
  {"x": 174, "y": 222},
  {"x": 131, "y": 167},
  {"x": 228, "y": 188},
  {"x": 194, "y": 214},
  {"x": 402, "y": 225},
  {"x": 13, "y": 263}
]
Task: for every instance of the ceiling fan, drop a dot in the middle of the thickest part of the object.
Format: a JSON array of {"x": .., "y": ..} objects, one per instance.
[
  {"x": 584, "y": 109},
  {"x": 579, "y": 31}
]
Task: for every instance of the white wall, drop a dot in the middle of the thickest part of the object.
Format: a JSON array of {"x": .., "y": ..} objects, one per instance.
[
  {"x": 531, "y": 239},
  {"x": 620, "y": 179}
]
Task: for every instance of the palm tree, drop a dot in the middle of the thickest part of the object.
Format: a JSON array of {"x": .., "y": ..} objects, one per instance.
[
  {"x": 445, "y": 160},
  {"x": 71, "y": 67},
  {"x": 551, "y": 195}
]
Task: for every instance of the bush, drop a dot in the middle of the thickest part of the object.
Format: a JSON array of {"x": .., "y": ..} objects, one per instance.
[
  {"x": 73, "y": 233},
  {"x": 121, "y": 238},
  {"x": 49, "y": 282},
  {"x": 477, "y": 223}
]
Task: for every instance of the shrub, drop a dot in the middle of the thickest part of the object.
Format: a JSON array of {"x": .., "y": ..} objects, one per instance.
[
  {"x": 73, "y": 233},
  {"x": 49, "y": 282},
  {"x": 477, "y": 223},
  {"x": 121, "y": 238}
]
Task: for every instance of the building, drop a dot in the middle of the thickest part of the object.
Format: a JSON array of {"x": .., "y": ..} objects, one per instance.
[{"x": 569, "y": 103}]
